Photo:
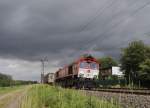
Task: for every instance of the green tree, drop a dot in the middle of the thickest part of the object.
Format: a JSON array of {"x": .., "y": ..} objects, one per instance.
[
  {"x": 5, "y": 80},
  {"x": 144, "y": 72},
  {"x": 107, "y": 62},
  {"x": 132, "y": 56}
]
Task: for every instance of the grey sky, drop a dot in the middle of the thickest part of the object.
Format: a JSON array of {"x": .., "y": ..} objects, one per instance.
[{"x": 64, "y": 29}]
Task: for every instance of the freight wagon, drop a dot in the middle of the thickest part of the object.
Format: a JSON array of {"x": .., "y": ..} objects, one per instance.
[{"x": 49, "y": 78}]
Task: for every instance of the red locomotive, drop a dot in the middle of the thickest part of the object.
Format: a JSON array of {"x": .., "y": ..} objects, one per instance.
[{"x": 80, "y": 74}]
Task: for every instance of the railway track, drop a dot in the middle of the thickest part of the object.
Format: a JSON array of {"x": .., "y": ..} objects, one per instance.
[
  {"x": 138, "y": 98},
  {"x": 123, "y": 90}
]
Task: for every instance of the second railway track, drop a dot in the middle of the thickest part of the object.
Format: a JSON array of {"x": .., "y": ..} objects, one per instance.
[
  {"x": 125, "y": 98},
  {"x": 125, "y": 91}
]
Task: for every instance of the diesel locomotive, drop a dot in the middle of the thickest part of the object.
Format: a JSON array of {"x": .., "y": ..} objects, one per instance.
[{"x": 82, "y": 73}]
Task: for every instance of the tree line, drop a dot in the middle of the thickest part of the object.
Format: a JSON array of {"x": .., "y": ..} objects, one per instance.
[
  {"x": 134, "y": 62},
  {"x": 7, "y": 80}
]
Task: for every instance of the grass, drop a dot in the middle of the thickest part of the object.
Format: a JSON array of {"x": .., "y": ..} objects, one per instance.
[
  {"x": 4, "y": 90},
  {"x": 44, "y": 96}
]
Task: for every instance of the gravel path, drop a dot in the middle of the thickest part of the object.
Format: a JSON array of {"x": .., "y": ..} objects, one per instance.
[{"x": 125, "y": 100}]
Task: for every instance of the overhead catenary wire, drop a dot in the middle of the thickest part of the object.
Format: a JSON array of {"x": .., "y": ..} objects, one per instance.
[
  {"x": 86, "y": 45},
  {"x": 98, "y": 13},
  {"x": 114, "y": 26},
  {"x": 121, "y": 21}
]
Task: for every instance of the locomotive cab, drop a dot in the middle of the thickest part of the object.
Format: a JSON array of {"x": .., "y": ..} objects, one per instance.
[{"x": 88, "y": 69}]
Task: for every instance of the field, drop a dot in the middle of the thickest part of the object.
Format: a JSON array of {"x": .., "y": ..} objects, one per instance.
[
  {"x": 45, "y": 96},
  {"x": 40, "y": 96},
  {"x": 4, "y": 90}
]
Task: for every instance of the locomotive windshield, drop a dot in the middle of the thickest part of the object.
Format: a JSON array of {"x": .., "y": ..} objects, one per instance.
[
  {"x": 84, "y": 65},
  {"x": 91, "y": 65}
]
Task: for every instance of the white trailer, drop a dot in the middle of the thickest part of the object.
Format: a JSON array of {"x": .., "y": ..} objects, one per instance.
[{"x": 117, "y": 71}]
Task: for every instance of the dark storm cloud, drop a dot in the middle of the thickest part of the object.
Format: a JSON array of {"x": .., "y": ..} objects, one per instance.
[{"x": 31, "y": 29}]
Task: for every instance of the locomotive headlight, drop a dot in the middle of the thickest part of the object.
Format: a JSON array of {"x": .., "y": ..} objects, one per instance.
[
  {"x": 95, "y": 76},
  {"x": 81, "y": 75}
]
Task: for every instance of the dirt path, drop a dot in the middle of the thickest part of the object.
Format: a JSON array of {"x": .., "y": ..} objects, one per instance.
[
  {"x": 5, "y": 95},
  {"x": 12, "y": 99},
  {"x": 15, "y": 101}
]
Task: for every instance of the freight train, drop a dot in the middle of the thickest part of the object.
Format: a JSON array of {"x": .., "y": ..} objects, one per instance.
[{"x": 82, "y": 73}]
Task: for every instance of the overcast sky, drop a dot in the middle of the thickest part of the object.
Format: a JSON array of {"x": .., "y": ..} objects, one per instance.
[{"x": 62, "y": 30}]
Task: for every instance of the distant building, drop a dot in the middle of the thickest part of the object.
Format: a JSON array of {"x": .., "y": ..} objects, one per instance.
[
  {"x": 116, "y": 71},
  {"x": 106, "y": 72}
]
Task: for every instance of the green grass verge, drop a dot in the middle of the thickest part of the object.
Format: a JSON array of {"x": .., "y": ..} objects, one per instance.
[
  {"x": 4, "y": 90},
  {"x": 44, "y": 96}
]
